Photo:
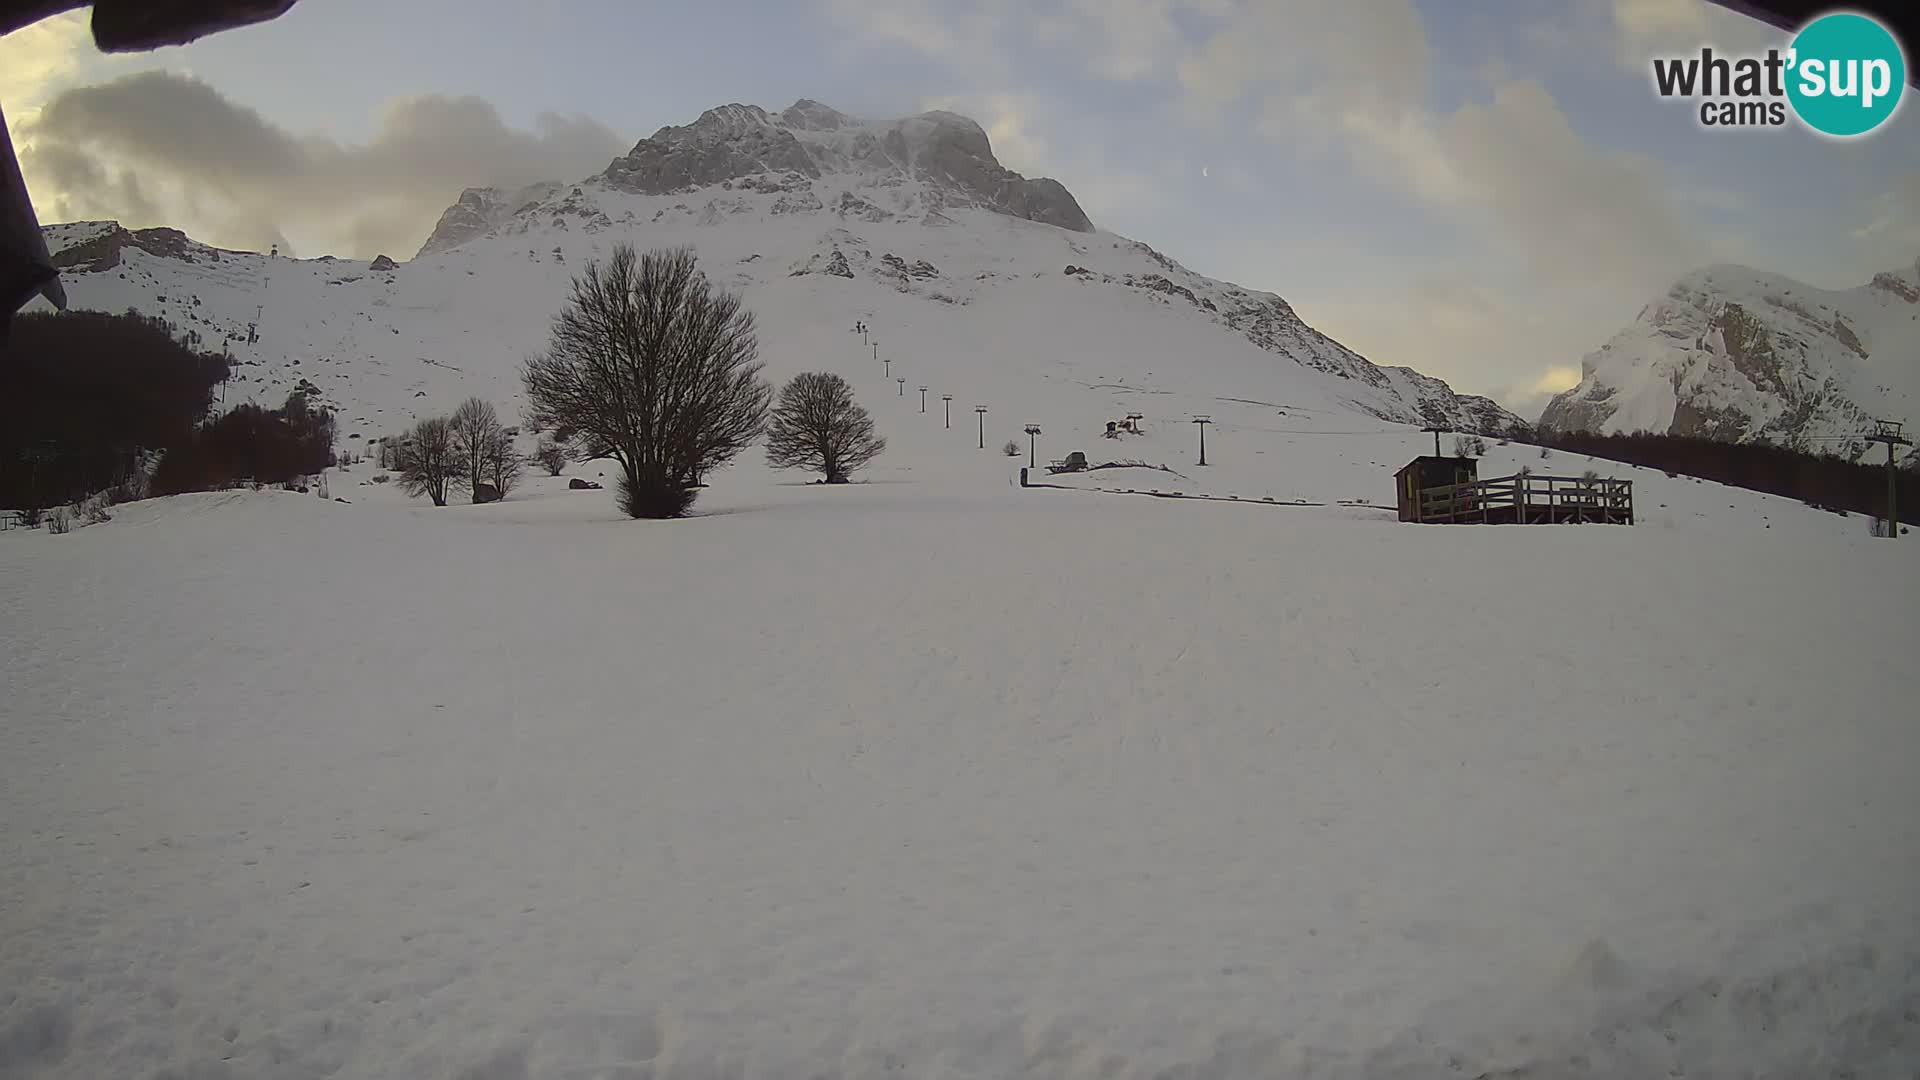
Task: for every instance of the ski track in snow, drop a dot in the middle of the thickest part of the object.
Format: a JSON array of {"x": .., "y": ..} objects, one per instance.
[{"x": 946, "y": 778}]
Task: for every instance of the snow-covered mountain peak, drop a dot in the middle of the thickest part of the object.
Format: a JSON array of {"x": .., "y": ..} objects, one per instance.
[
  {"x": 810, "y": 115},
  {"x": 948, "y": 155},
  {"x": 722, "y": 122},
  {"x": 1734, "y": 353},
  {"x": 727, "y": 143}
]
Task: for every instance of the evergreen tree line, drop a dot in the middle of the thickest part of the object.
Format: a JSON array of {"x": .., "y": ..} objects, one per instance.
[
  {"x": 248, "y": 442},
  {"x": 1823, "y": 480},
  {"x": 89, "y": 401}
]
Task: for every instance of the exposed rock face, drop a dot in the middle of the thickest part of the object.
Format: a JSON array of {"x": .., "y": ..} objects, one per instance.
[
  {"x": 1049, "y": 201},
  {"x": 740, "y": 145},
  {"x": 724, "y": 144},
  {"x": 901, "y": 274},
  {"x": 851, "y": 205},
  {"x": 102, "y": 252},
  {"x": 952, "y": 151},
  {"x": 769, "y": 184},
  {"x": 1584, "y": 411},
  {"x": 1159, "y": 284},
  {"x": 832, "y": 262},
  {"x": 804, "y": 203},
  {"x": 479, "y": 211},
  {"x": 1735, "y": 354},
  {"x": 381, "y": 262}
]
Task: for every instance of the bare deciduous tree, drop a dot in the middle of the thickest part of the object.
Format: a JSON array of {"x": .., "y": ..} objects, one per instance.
[
  {"x": 501, "y": 465},
  {"x": 818, "y": 426},
  {"x": 425, "y": 461},
  {"x": 476, "y": 431},
  {"x": 651, "y": 365},
  {"x": 551, "y": 455}
]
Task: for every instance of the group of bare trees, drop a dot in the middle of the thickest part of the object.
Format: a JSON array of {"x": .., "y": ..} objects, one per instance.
[
  {"x": 655, "y": 368},
  {"x": 470, "y": 449},
  {"x": 652, "y": 366}
]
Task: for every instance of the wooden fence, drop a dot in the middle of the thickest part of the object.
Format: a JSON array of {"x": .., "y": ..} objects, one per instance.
[{"x": 1530, "y": 499}]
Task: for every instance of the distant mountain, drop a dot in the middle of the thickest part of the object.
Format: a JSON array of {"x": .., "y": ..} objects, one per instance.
[
  {"x": 1738, "y": 354},
  {"x": 821, "y": 220},
  {"x": 947, "y": 155}
]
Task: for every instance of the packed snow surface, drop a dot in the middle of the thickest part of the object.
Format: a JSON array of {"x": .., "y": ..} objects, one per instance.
[{"x": 936, "y": 776}]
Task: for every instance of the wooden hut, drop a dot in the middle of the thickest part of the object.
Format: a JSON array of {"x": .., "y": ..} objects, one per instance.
[{"x": 1428, "y": 471}]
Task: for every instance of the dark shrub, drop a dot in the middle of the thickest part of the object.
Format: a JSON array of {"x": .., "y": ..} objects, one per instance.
[{"x": 83, "y": 394}]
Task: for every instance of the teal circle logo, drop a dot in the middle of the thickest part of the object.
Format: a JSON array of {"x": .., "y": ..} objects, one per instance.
[{"x": 1845, "y": 74}]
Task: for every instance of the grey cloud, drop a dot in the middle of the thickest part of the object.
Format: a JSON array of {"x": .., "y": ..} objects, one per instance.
[{"x": 226, "y": 173}]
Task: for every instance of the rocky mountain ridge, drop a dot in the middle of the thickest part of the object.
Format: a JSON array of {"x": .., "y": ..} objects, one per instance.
[{"x": 1737, "y": 354}]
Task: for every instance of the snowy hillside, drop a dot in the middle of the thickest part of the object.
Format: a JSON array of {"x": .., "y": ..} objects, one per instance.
[
  {"x": 1736, "y": 354},
  {"x": 820, "y": 221},
  {"x": 938, "y": 777}
]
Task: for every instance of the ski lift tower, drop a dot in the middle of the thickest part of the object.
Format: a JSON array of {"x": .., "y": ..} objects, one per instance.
[{"x": 1892, "y": 433}]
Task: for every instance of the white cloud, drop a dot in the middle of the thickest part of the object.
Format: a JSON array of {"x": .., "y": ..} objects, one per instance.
[
  {"x": 1125, "y": 39},
  {"x": 1579, "y": 215},
  {"x": 913, "y": 24},
  {"x": 1121, "y": 40},
  {"x": 35, "y": 57},
  {"x": 1644, "y": 29},
  {"x": 162, "y": 148},
  {"x": 1348, "y": 55},
  {"x": 40, "y": 59},
  {"x": 1357, "y": 76}
]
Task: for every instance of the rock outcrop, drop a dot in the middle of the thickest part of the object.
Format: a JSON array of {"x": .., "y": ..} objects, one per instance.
[
  {"x": 726, "y": 143},
  {"x": 102, "y": 251},
  {"x": 742, "y": 146},
  {"x": 954, "y": 153},
  {"x": 1736, "y": 354},
  {"x": 809, "y": 115},
  {"x": 479, "y": 211}
]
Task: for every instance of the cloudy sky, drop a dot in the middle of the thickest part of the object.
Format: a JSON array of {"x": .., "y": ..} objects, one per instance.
[{"x": 1482, "y": 189}]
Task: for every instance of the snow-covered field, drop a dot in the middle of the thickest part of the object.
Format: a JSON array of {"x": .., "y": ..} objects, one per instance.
[
  {"x": 933, "y": 775},
  {"x": 936, "y": 776}
]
